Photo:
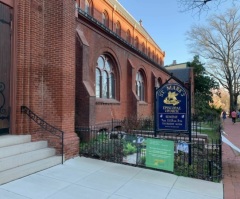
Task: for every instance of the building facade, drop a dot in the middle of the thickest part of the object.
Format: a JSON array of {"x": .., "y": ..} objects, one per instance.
[
  {"x": 74, "y": 63},
  {"x": 184, "y": 72},
  {"x": 118, "y": 64}
]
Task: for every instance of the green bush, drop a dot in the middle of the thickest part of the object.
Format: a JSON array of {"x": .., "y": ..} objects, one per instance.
[
  {"x": 109, "y": 150},
  {"x": 129, "y": 149}
]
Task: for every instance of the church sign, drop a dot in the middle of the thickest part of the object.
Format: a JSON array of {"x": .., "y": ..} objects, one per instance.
[{"x": 171, "y": 108}]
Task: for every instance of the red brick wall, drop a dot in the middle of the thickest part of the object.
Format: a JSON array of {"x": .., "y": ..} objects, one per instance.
[
  {"x": 127, "y": 63},
  {"x": 46, "y": 69}
]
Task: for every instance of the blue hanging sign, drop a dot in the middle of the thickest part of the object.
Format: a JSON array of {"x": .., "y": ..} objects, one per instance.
[{"x": 171, "y": 108}]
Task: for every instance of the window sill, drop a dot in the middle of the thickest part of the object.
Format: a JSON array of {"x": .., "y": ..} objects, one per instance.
[
  {"x": 107, "y": 101},
  {"x": 142, "y": 103}
]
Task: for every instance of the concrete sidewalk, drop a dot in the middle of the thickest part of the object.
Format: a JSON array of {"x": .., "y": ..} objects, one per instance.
[
  {"x": 231, "y": 162},
  {"x": 85, "y": 178}
]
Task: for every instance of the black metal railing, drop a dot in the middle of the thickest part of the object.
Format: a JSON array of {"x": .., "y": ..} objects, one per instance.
[
  {"x": 46, "y": 126},
  {"x": 125, "y": 142}
]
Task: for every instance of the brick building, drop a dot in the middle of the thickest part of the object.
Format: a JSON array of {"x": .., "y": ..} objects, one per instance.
[
  {"x": 135, "y": 64},
  {"x": 74, "y": 63},
  {"x": 184, "y": 72}
]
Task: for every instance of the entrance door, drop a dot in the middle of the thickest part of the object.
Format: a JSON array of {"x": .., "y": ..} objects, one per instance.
[{"x": 5, "y": 65}]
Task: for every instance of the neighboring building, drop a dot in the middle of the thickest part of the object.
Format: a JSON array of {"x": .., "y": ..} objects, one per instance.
[
  {"x": 184, "y": 72},
  {"x": 72, "y": 63}
]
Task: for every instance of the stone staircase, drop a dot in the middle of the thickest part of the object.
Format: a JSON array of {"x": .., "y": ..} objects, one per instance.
[{"x": 20, "y": 157}]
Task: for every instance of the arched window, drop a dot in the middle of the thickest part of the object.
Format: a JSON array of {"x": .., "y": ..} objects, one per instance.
[
  {"x": 105, "y": 78},
  {"x": 143, "y": 47},
  {"x": 140, "y": 90},
  {"x": 88, "y": 7},
  {"x": 78, "y": 3},
  {"x": 105, "y": 19},
  {"x": 157, "y": 59},
  {"x": 153, "y": 57},
  {"x": 161, "y": 62},
  {"x": 128, "y": 36},
  {"x": 98, "y": 83},
  {"x": 149, "y": 52},
  {"x": 136, "y": 43},
  {"x": 158, "y": 82},
  {"x": 118, "y": 28}
]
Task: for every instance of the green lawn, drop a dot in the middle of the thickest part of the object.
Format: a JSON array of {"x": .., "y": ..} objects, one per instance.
[{"x": 211, "y": 129}]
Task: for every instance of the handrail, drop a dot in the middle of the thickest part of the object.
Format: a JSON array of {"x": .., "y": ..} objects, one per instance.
[{"x": 46, "y": 126}]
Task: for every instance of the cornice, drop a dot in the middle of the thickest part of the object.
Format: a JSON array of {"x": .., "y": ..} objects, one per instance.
[{"x": 125, "y": 14}]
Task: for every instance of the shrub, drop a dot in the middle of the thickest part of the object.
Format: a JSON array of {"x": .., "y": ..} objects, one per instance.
[{"x": 129, "y": 149}]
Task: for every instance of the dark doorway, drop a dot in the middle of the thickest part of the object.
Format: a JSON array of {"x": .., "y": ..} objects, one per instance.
[{"x": 5, "y": 67}]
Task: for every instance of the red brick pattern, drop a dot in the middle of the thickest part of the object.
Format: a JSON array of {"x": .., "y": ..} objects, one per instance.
[{"x": 46, "y": 69}]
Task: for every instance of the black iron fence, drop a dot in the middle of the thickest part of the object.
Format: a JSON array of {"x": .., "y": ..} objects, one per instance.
[{"x": 125, "y": 142}]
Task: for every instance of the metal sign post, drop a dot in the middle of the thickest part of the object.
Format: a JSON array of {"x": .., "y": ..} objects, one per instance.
[{"x": 173, "y": 109}]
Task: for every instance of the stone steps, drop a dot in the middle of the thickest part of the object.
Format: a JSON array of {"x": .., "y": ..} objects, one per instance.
[{"x": 20, "y": 157}]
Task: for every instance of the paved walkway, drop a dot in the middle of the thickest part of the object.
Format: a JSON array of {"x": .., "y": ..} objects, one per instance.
[
  {"x": 85, "y": 178},
  {"x": 231, "y": 162}
]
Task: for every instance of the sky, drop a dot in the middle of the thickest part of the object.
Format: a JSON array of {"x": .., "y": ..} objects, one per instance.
[{"x": 167, "y": 24}]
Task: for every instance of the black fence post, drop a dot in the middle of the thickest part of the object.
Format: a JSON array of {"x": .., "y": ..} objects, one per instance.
[
  {"x": 112, "y": 124},
  {"x": 189, "y": 125},
  {"x": 155, "y": 113},
  {"x": 210, "y": 166},
  {"x": 220, "y": 151}
]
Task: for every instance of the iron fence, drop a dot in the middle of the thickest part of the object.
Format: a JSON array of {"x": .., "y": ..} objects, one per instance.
[{"x": 125, "y": 142}]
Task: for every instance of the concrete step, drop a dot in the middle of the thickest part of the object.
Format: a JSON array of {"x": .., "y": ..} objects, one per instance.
[
  {"x": 21, "y": 148},
  {"x": 25, "y": 158},
  {"x": 25, "y": 170},
  {"x": 9, "y": 140},
  {"x": 20, "y": 157}
]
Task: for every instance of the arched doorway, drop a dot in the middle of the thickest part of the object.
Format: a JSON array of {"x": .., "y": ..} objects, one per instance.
[{"x": 5, "y": 66}]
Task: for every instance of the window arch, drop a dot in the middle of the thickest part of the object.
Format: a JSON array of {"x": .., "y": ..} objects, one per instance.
[
  {"x": 161, "y": 62},
  {"x": 140, "y": 89},
  {"x": 105, "y": 19},
  {"x": 118, "y": 28},
  {"x": 78, "y": 3},
  {"x": 143, "y": 47},
  {"x": 149, "y": 52},
  {"x": 136, "y": 43},
  {"x": 158, "y": 82},
  {"x": 128, "y": 36},
  {"x": 157, "y": 59},
  {"x": 153, "y": 56},
  {"x": 88, "y": 7},
  {"x": 105, "y": 78}
]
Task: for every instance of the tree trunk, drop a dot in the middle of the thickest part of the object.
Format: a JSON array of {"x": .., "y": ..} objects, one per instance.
[
  {"x": 235, "y": 101},
  {"x": 231, "y": 98}
]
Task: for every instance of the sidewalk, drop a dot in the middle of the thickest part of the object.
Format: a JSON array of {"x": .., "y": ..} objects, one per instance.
[
  {"x": 231, "y": 162},
  {"x": 85, "y": 178}
]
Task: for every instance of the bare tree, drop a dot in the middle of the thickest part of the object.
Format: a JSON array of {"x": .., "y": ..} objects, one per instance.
[
  {"x": 219, "y": 44},
  {"x": 199, "y": 6}
]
